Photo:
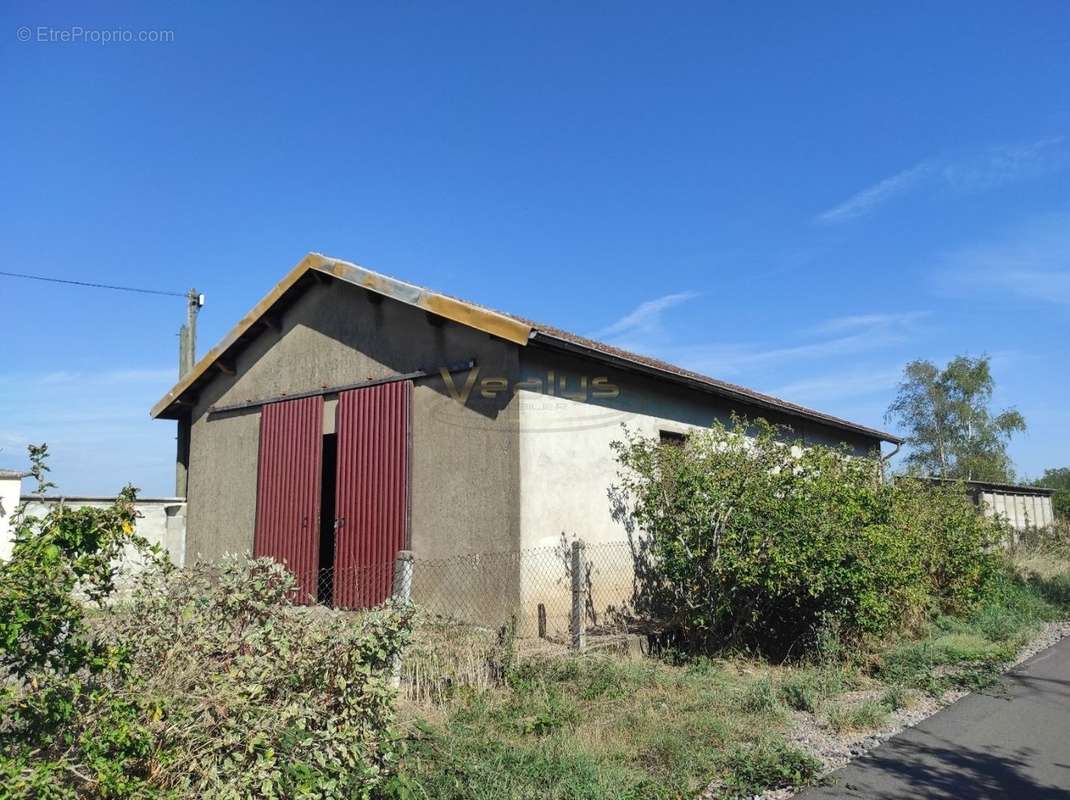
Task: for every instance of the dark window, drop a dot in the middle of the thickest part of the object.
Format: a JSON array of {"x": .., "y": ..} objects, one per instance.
[{"x": 673, "y": 438}]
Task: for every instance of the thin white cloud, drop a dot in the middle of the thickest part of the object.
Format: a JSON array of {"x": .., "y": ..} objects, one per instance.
[
  {"x": 839, "y": 385},
  {"x": 868, "y": 321},
  {"x": 1002, "y": 165},
  {"x": 58, "y": 377},
  {"x": 96, "y": 425},
  {"x": 1048, "y": 287},
  {"x": 1031, "y": 263},
  {"x": 977, "y": 171},
  {"x": 163, "y": 377},
  {"x": 645, "y": 318},
  {"x": 837, "y": 337},
  {"x": 866, "y": 200}
]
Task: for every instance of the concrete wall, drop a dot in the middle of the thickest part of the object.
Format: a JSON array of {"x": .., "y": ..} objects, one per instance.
[
  {"x": 465, "y": 463},
  {"x": 10, "y": 491},
  {"x": 162, "y": 520},
  {"x": 567, "y": 465},
  {"x": 1023, "y": 511}
]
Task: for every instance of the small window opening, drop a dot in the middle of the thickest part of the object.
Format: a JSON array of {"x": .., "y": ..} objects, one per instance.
[
  {"x": 325, "y": 584},
  {"x": 673, "y": 438}
]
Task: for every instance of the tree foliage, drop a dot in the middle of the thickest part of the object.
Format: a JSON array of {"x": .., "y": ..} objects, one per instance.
[
  {"x": 950, "y": 429},
  {"x": 1059, "y": 480},
  {"x": 760, "y": 541}
]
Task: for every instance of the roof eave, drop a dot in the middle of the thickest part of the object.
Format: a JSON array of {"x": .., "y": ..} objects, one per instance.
[
  {"x": 490, "y": 322},
  {"x": 1008, "y": 488},
  {"x": 711, "y": 388},
  {"x": 165, "y": 407}
]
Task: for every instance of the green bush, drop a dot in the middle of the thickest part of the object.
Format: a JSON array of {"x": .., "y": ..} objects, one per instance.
[
  {"x": 756, "y": 540},
  {"x": 205, "y": 682},
  {"x": 256, "y": 697},
  {"x": 64, "y": 733}
]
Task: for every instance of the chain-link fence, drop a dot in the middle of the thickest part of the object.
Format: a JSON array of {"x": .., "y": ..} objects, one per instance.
[
  {"x": 545, "y": 591},
  {"x": 355, "y": 587}
]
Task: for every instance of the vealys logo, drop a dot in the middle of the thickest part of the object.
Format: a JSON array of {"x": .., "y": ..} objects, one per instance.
[
  {"x": 581, "y": 389},
  {"x": 545, "y": 402}
]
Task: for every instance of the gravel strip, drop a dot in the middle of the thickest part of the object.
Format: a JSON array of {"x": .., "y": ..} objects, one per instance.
[{"x": 834, "y": 750}]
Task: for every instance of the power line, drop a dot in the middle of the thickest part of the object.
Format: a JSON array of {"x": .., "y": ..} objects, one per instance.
[{"x": 93, "y": 285}]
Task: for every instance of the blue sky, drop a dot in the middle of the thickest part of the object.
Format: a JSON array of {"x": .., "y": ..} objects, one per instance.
[{"x": 799, "y": 199}]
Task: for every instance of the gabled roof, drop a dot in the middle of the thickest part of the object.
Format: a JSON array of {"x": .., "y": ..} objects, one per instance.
[{"x": 511, "y": 328}]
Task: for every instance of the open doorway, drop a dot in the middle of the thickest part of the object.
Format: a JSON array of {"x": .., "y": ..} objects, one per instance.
[{"x": 325, "y": 584}]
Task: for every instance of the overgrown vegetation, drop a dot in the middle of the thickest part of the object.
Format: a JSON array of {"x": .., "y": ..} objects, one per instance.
[
  {"x": 205, "y": 682},
  {"x": 871, "y": 595},
  {"x": 969, "y": 651},
  {"x": 587, "y": 727},
  {"x": 209, "y": 682},
  {"x": 599, "y": 727},
  {"x": 760, "y": 542}
]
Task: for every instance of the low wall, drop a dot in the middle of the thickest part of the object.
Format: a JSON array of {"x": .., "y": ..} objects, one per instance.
[
  {"x": 161, "y": 520},
  {"x": 10, "y": 489}
]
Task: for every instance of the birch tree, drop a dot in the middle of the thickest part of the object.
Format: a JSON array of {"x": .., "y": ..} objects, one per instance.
[{"x": 950, "y": 428}]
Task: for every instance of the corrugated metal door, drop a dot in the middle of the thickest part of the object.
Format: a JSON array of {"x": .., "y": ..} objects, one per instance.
[
  {"x": 373, "y": 491},
  {"x": 288, "y": 488}
]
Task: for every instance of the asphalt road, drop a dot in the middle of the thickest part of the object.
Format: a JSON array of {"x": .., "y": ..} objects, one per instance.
[{"x": 1012, "y": 741}]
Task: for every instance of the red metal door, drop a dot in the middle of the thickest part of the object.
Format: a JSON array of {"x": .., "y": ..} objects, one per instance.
[
  {"x": 373, "y": 491},
  {"x": 288, "y": 488}
]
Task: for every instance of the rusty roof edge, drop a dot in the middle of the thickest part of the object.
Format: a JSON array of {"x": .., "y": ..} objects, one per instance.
[
  {"x": 244, "y": 324},
  {"x": 491, "y": 322},
  {"x": 716, "y": 387},
  {"x": 465, "y": 313}
]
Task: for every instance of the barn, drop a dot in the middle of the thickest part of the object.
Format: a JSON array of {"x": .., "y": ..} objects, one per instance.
[{"x": 350, "y": 415}]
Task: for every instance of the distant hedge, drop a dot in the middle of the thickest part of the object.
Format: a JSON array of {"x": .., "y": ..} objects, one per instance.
[{"x": 759, "y": 541}]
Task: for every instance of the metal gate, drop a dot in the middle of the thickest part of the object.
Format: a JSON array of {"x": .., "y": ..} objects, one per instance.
[
  {"x": 288, "y": 488},
  {"x": 372, "y": 491}
]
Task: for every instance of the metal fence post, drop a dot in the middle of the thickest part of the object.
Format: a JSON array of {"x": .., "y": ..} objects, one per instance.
[
  {"x": 578, "y": 622},
  {"x": 402, "y": 594}
]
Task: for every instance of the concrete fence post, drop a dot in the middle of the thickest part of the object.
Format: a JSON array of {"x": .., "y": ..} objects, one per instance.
[
  {"x": 403, "y": 568},
  {"x": 403, "y": 577},
  {"x": 578, "y": 621}
]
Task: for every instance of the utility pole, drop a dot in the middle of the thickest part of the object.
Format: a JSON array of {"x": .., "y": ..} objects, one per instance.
[
  {"x": 187, "y": 334},
  {"x": 187, "y": 357}
]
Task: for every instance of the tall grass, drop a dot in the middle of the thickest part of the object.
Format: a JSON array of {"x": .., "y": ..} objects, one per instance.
[{"x": 596, "y": 727}]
